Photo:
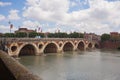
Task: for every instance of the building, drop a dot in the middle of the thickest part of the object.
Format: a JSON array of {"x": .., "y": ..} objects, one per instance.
[
  {"x": 114, "y": 35},
  {"x": 25, "y": 30},
  {"x": 92, "y": 37}
]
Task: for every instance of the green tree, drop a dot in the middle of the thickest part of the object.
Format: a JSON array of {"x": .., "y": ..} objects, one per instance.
[
  {"x": 81, "y": 35},
  {"x": 63, "y": 35},
  {"x": 105, "y": 37},
  {"x": 58, "y": 35},
  {"x": 76, "y": 35},
  {"x": 51, "y": 35},
  {"x": 21, "y": 34},
  {"x": 33, "y": 34},
  {"x": 42, "y": 35},
  {"x": 9, "y": 35}
]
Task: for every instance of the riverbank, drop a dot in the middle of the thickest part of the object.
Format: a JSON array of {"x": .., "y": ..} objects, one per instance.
[
  {"x": 110, "y": 45},
  {"x": 15, "y": 69}
]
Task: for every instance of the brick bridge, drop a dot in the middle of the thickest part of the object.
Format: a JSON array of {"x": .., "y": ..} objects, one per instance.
[{"x": 33, "y": 46}]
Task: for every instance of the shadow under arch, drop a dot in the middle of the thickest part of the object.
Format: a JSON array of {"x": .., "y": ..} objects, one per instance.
[
  {"x": 68, "y": 46},
  {"x": 27, "y": 50},
  {"x": 90, "y": 45},
  {"x": 81, "y": 46},
  {"x": 50, "y": 48},
  {"x": 97, "y": 46}
]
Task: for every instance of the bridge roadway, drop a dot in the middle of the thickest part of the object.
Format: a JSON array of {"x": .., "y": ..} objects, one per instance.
[{"x": 34, "y": 46}]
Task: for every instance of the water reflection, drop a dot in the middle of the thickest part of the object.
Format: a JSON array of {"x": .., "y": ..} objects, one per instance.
[{"x": 86, "y": 65}]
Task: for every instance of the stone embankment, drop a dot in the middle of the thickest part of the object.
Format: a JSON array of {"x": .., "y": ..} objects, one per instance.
[
  {"x": 110, "y": 44},
  {"x": 10, "y": 69}
]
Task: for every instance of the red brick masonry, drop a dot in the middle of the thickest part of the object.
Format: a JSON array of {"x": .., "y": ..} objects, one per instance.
[{"x": 110, "y": 44}]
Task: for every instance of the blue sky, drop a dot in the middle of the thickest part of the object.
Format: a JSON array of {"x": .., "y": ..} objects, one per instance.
[
  {"x": 96, "y": 16},
  {"x": 14, "y": 4}
]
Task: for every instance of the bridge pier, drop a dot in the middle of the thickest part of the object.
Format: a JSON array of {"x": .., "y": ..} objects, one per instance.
[
  {"x": 60, "y": 50},
  {"x": 75, "y": 48}
]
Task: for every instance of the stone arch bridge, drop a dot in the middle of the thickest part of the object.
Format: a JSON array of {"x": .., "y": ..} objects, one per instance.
[{"x": 33, "y": 46}]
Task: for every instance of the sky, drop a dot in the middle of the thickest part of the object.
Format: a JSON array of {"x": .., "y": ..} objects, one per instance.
[{"x": 91, "y": 16}]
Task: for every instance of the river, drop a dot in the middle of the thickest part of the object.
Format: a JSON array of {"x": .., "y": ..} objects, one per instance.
[{"x": 86, "y": 65}]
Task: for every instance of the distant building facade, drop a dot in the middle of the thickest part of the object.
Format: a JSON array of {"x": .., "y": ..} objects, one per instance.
[
  {"x": 92, "y": 36},
  {"x": 113, "y": 43},
  {"x": 115, "y": 35},
  {"x": 25, "y": 30}
]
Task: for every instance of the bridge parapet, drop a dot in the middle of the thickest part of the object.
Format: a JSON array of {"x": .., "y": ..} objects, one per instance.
[
  {"x": 10, "y": 40},
  {"x": 18, "y": 71},
  {"x": 35, "y": 39}
]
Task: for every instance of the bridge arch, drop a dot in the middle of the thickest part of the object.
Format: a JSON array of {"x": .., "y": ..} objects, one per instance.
[
  {"x": 68, "y": 46},
  {"x": 81, "y": 45},
  {"x": 28, "y": 49},
  {"x": 13, "y": 47},
  {"x": 51, "y": 48}
]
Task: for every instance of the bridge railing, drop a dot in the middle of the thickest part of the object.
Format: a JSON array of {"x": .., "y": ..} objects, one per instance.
[{"x": 7, "y": 40}]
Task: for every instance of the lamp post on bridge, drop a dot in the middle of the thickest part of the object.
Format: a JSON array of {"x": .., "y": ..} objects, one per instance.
[{"x": 10, "y": 25}]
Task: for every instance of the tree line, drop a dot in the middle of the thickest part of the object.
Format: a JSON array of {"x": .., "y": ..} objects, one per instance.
[{"x": 43, "y": 35}]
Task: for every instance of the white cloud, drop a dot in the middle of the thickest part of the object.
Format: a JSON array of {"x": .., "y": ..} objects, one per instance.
[
  {"x": 73, "y": 4},
  {"x": 2, "y": 17},
  {"x": 31, "y": 24},
  {"x": 102, "y": 16},
  {"x": 13, "y": 15},
  {"x": 105, "y": 13},
  {"x": 46, "y": 10},
  {"x": 5, "y": 3},
  {"x": 6, "y": 29}
]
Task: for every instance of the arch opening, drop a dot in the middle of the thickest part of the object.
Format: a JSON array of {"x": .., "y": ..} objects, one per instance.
[
  {"x": 13, "y": 48},
  {"x": 96, "y": 46},
  {"x": 50, "y": 48},
  {"x": 68, "y": 47},
  {"x": 81, "y": 46},
  {"x": 60, "y": 44},
  {"x": 40, "y": 46},
  {"x": 90, "y": 45},
  {"x": 27, "y": 50}
]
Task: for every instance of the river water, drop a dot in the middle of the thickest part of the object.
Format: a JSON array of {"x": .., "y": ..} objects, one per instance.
[{"x": 87, "y": 65}]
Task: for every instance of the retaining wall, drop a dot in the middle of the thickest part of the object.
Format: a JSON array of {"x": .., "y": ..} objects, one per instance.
[
  {"x": 110, "y": 44},
  {"x": 10, "y": 68}
]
